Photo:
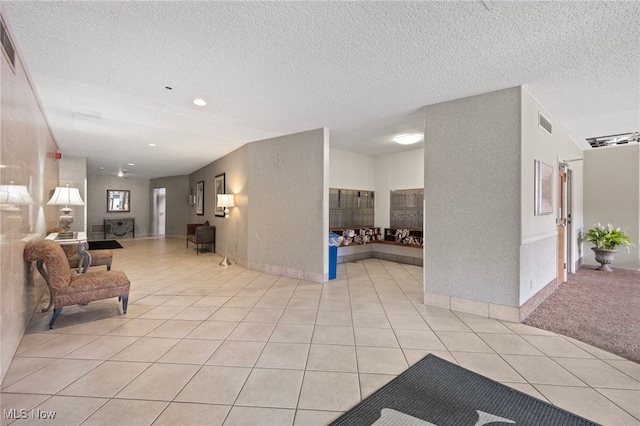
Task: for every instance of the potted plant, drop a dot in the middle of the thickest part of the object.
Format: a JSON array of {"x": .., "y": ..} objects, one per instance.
[{"x": 606, "y": 239}]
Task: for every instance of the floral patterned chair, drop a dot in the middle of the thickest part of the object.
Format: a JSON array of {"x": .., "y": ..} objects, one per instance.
[{"x": 67, "y": 289}]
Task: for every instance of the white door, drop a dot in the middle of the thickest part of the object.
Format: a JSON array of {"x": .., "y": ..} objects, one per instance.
[{"x": 159, "y": 211}]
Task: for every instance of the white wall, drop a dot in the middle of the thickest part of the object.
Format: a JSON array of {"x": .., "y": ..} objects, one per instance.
[
  {"x": 350, "y": 170},
  {"x": 383, "y": 173},
  {"x": 404, "y": 170},
  {"x": 612, "y": 195},
  {"x": 25, "y": 142}
]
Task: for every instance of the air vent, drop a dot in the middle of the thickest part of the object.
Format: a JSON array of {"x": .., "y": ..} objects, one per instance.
[
  {"x": 7, "y": 46},
  {"x": 544, "y": 123}
]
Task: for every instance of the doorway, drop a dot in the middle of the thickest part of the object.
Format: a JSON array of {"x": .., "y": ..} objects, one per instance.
[
  {"x": 159, "y": 211},
  {"x": 562, "y": 222}
]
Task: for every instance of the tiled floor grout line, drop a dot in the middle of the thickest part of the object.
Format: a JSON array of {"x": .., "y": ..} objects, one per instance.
[{"x": 329, "y": 300}]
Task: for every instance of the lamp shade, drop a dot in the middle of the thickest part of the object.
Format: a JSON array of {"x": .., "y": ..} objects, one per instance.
[
  {"x": 15, "y": 194},
  {"x": 225, "y": 200},
  {"x": 65, "y": 196}
]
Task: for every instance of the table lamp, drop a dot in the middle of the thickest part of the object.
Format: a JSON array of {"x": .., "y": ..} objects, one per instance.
[{"x": 65, "y": 196}]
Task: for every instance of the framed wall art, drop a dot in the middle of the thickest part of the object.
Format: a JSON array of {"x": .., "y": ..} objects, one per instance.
[
  {"x": 118, "y": 200},
  {"x": 543, "y": 188},
  {"x": 200, "y": 198},
  {"x": 219, "y": 186}
]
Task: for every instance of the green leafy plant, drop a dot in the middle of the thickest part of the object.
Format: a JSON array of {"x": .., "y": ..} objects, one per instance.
[{"x": 608, "y": 237}]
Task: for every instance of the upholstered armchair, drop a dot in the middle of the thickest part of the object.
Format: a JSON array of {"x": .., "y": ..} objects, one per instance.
[
  {"x": 98, "y": 257},
  {"x": 200, "y": 234},
  {"x": 67, "y": 289}
]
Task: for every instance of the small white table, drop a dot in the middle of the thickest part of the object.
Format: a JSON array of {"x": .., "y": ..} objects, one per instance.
[{"x": 80, "y": 240}]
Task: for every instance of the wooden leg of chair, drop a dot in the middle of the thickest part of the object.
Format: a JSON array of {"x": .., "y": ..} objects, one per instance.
[
  {"x": 56, "y": 314},
  {"x": 125, "y": 300}
]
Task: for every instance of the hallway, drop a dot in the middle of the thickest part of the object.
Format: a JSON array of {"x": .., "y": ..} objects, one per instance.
[{"x": 206, "y": 344}]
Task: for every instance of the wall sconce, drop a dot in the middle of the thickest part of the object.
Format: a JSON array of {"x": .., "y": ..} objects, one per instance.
[
  {"x": 192, "y": 200},
  {"x": 225, "y": 201},
  {"x": 66, "y": 197}
]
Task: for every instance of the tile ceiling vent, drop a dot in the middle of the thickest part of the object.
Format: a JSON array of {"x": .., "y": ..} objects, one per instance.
[
  {"x": 7, "y": 46},
  {"x": 544, "y": 123}
]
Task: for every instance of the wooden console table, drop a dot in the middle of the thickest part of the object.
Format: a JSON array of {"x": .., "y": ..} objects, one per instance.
[{"x": 120, "y": 227}]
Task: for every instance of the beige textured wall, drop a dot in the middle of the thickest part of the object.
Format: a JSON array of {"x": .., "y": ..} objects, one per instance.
[
  {"x": 612, "y": 195},
  {"x": 177, "y": 204},
  {"x": 288, "y": 205},
  {"x": 140, "y": 202},
  {"x": 24, "y": 143},
  {"x": 472, "y": 198},
  {"x": 235, "y": 167}
]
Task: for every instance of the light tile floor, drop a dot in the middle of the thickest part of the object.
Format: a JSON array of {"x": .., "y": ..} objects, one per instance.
[{"x": 205, "y": 344}]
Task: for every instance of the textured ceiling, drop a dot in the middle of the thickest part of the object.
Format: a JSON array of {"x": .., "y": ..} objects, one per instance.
[{"x": 361, "y": 69}]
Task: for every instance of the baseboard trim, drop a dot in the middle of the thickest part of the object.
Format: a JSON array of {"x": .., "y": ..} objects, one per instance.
[{"x": 530, "y": 305}]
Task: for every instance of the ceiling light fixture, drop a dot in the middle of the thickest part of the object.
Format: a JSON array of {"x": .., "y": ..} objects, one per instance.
[
  {"x": 101, "y": 168},
  {"x": 408, "y": 138},
  {"x": 199, "y": 102},
  {"x": 130, "y": 164},
  {"x": 151, "y": 144}
]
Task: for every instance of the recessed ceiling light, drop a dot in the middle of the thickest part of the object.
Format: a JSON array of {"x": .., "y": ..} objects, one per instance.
[
  {"x": 130, "y": 164},
  {"x": 408, "y": 139},
  {"x": 152, "y": 144},
  {"x": 101, "y": 168},
  {"x": 120, "y": 174},
  {"x": 200, "y": 102}
]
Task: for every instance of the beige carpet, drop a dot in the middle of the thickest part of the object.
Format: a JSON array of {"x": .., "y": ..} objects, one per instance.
[{"x": 598, "y": 308}]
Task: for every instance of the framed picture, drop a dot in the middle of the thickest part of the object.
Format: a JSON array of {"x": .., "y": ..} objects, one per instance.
[
  {"x": 118, "y": 200},
  {"x": 200, "y": 198},
  {"x": 543, "y": 188},
  {"x": 219, "y": 189}
]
